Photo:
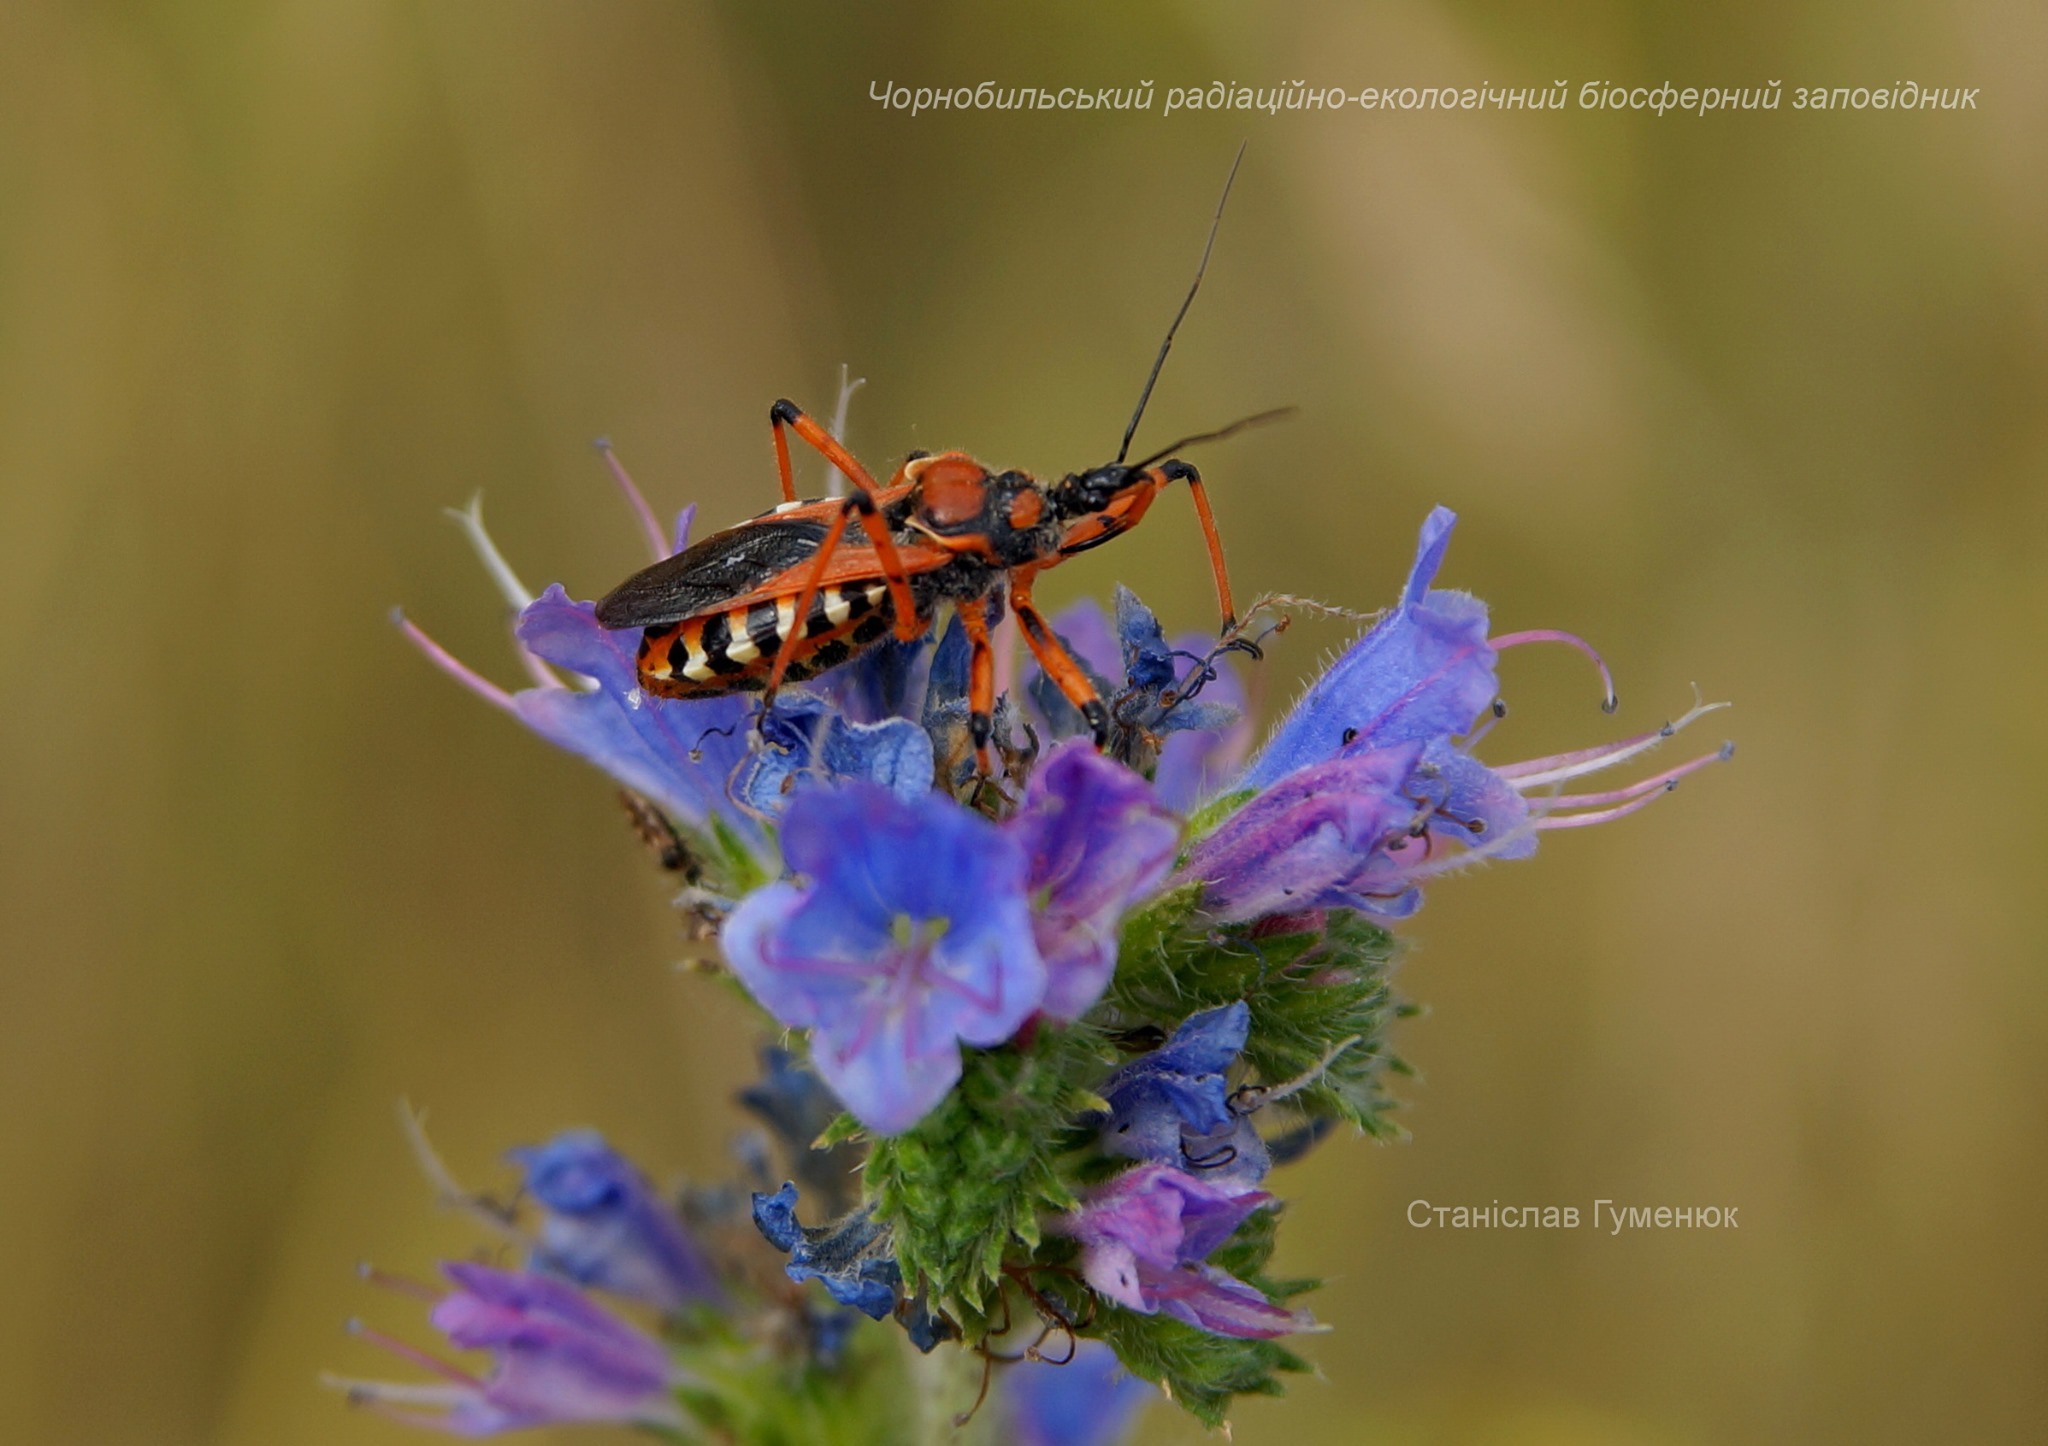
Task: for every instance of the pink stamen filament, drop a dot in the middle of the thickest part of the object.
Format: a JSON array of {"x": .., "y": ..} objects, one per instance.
[
  {"x": 401, "y": 1284},
  {"x": 635, "y": 498},
  {"x": 1536, "y": 772},
  {"x": 1605, "y": 815},
  {"x": 446, "y": 661},
  {"x": 434, "y": 1365},
  {"x": 1666, "y": 781},
  {"x": 1609, "y": 702},
  {"x": 379, "y": 1393}
]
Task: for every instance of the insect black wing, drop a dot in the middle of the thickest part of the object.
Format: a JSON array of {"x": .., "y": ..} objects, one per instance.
[{"x": 710, "y": 573}]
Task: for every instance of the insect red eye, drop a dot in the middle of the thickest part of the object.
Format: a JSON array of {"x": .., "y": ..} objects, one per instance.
[{"x": 1026, "y": 508}]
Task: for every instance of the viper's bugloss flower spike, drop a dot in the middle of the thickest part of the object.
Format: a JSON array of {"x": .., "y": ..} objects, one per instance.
[
  {"x": 1096, "y": 840},
  {"x": 852, "y": 1257},
  {"x": 605, "y": 1225},
  {"x": 1089, "y": 1400},
  {"x": 557, "y": 1357},
  {"x": 911, "y": 936},
  {"x": 1144, "y": 1236}
]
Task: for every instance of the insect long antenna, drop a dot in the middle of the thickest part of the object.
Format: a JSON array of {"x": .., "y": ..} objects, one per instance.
[
  {"x": 1242, "y": 424},
  {"x": 1186, "y": 301}
]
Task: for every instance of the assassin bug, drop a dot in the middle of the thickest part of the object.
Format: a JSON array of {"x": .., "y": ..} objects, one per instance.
[{"x": 790, "y": 593}]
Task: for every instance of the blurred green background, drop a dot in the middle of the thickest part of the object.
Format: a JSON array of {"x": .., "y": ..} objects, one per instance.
[{"x": 1753, "y": 399}]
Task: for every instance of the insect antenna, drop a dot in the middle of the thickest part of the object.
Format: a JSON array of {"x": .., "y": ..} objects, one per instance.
[
  {"x": 1186, "y": 301},
  {"x": 1242, "y": 424}
]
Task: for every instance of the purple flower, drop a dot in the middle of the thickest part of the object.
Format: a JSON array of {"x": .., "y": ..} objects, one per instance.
[
  {"x": 1144, "y": 1237},
  {"x": 911, "y": 936},
  {"x": 1088, "y": 1400},
  {"x": 606, "y": 1226},
  {"x": 1369, "y": 787},
  {"x": 1096, "y": 840},
  {"x": 556, "y": 1357},
  {"x": 1302, "y": 843}
]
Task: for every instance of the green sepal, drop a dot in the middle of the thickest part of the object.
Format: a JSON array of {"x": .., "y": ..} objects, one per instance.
[
  {"x": 1308, "y": 992},
  {"x": 966, "y": 1187},
  {"x": 1204, "y": 820},
  {"x": 730, "y": 864}
]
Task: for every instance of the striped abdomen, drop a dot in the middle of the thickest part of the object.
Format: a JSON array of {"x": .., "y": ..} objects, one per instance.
[{"x": 733, "y": 651}]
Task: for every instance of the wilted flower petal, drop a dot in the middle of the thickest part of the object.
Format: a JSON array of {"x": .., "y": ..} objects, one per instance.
[
  {"x": 852, "y": 1257},
  {"x": 605, "y": 1225}
]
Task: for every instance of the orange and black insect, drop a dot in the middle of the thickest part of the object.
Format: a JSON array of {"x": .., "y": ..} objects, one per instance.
[{"x": 790, "y": 593}]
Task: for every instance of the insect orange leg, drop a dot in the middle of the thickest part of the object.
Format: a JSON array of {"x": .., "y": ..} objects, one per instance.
[
  {"x": 857, "y": 502},
  {"x": 786, "y": 413},
  {"x": 1193, "y": 478},
  {"x": 981, "y": 680},
  {"x": 1052, "y": 656}
]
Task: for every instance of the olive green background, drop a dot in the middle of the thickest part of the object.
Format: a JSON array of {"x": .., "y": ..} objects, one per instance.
[{"x": 1753, "y": 400}]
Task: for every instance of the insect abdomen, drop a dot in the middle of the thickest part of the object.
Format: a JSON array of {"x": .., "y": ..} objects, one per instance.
[{"x": 733, "y": 651}]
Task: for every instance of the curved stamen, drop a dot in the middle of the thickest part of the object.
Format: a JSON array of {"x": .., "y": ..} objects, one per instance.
[
  {"x": 1535, "y": 772},
  {"x": 1667, "y": 780},
  {"x": 471, "y": 520},
  {"x": 1605, "y": 815},
  {"x": 635, "y": 498},
  {"x": 446, "y": 661},
  {"x": 426, "y": 1362},
  {"x": 1571, "y": 640},
  {"x": 382, "y": 1393}
]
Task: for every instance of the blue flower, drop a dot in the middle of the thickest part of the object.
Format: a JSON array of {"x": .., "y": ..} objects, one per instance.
[
  {"x": 806, "y": 740},
  {"x": 1179, "y": 1091},
  {"x": 680, "y": 753},
  {"x": 557, "y": 1357},
  {"x": 1096, "y": 840},
  {"x": 1088, "y": 1400},
  {"x": 911, "y": 936},
  {"x": 1369, "y": 787},
  {"x": 606, "y": 1226},
  {"x": 1422, "y": 672},
  {"x": 853, "y": 1257},
  {"x": 1145, "y": 1236}
]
